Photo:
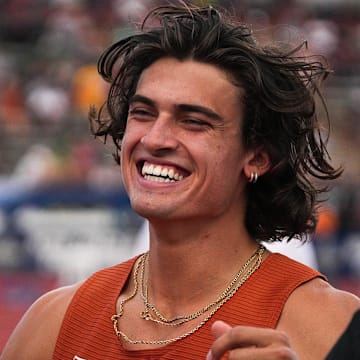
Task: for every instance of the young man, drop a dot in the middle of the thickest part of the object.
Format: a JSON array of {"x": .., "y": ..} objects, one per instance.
[{"x": 219, "y": 141}]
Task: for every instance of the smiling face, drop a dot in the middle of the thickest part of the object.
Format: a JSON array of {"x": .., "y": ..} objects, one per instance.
[{"x": 182, "y": 155}]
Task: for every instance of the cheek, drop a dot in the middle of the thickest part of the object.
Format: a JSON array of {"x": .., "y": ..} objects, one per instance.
[
  {"x": 123, "y": 153},
  {"x": 130, "y": 139},
  {"x": 229, "y": 167},
  {"x": 127, "y": 146},
  {"x": 128, "y": 135}
]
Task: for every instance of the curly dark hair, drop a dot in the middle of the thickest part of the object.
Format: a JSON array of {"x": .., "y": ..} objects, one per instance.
[{"x": 281, "y": 88}]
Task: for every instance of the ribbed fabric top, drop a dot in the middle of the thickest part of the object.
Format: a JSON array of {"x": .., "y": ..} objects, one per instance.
[{"x": 87, "y": 330}]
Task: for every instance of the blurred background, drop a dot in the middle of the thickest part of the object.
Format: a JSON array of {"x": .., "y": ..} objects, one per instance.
[{"x": 63, "y": 211}]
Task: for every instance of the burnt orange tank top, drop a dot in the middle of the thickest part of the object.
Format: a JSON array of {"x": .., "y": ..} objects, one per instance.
[{"x": 87, "y": 331}]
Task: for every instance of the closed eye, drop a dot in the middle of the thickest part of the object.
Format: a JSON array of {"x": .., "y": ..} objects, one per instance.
[
  {"x": 141, "y": 107},
  {"x": 140, "y": 113},
  {"x": 197, "y": 123}
]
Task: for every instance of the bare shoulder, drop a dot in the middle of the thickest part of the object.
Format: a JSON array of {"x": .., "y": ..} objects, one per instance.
[
  {"x": 315, "y": 315},
  {"x": 35, "y": 335}
]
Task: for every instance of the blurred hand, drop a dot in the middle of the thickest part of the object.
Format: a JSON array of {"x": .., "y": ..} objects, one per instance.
[{"x": 250, "y": 343}]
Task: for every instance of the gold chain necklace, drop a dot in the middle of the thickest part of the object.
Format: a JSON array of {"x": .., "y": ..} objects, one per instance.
[
  {"x": 181, "y": 319},
  {"x": 115, "y": 318}
]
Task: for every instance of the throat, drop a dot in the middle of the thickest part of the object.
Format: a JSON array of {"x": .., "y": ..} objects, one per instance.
[{"x": 160, "y": 325}]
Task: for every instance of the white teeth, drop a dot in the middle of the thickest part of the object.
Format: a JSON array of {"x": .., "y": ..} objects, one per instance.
[
  {"x": 157, "y": 170},
  {"x": 160, "y": 173},
  {"x": 157, "y": 179},
  {"x": 178, "y": 177},
  {"x": 164, "y": 172}
]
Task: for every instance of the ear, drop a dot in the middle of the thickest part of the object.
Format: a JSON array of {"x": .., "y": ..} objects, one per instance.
[{"x": 257, "y": 162}]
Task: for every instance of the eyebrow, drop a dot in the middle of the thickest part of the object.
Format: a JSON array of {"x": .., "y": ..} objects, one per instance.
[
  {"x": 200, "y": 109},
  {"x": 183, "y": 107},
  {"x": 142, "y": 99}
]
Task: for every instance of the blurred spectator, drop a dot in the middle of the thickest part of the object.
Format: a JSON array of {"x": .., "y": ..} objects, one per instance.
[
  {"x": 21, "y": 20},
  {"x": 12, "y": 110},
  {"x": 88, "y": 88},
  {"x": 48, "y": 104},
  {"x": 322, "y": 35}
]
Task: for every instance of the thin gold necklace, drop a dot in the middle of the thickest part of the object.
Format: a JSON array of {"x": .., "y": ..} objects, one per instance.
[
  {"x": 115, "y": 318},
  {"x": 181, "y": 319}
]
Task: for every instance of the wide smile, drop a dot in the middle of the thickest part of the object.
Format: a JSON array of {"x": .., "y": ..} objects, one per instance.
[{"x": 161, "y": 173}]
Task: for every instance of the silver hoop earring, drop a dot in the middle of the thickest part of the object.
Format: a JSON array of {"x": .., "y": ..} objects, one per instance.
[{"x": 253, "y": 177}]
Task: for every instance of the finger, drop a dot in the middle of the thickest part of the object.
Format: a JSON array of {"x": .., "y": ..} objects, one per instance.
[
  {"x": 253, "y": 353},
  {"x": 244, "y": 337},
  {"x": 265, "y": 353},
  {"x": 219, "y": 328}
]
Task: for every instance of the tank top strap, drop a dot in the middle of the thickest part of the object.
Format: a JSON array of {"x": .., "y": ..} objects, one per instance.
[{"x": 260, "y": 300}]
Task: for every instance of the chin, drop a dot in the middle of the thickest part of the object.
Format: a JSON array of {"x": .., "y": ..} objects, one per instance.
[{"x": 149, "y": 211}]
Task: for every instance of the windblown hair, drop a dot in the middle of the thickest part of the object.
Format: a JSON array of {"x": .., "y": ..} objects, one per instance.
[{"x": 280, "y": 88}]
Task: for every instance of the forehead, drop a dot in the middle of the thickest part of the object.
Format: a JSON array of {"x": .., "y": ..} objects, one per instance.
[{"x": 169, "y": 80}]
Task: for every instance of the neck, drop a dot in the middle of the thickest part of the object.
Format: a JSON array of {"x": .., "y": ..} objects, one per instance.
[{"x": 189, "y": 265}]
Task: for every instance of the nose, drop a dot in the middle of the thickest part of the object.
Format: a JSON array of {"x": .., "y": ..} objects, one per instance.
[{"x": 160, "y": 136}]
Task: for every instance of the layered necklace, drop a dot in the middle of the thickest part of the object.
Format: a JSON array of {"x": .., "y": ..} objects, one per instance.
[{"x": 151, "y": 313}]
